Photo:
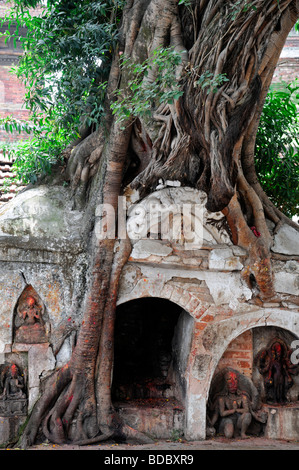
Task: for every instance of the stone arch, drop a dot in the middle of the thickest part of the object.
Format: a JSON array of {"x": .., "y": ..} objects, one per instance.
[
  {"x": 230, "y": 329},
  {"x": 152, "y": 344},
  {"x": 212, "y": 344},
  {"x": 189, "y": 301}
]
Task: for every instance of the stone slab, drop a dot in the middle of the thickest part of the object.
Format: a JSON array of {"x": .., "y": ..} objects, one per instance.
[
  {"x": 224, "y": 260},
  {"x": 42, "y": 212},
  {"x": 9, "y": 428},
  {"x": 286, "y": 283},
  {"x": 286, "y": 241},
  {"x": 283, "y": 422},
  {"x": 145, "y": 248},
  {"x": 160, "y": 420}
]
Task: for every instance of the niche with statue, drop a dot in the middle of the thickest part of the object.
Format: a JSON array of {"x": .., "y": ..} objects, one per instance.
[
  {"x": 13, "y": 395},
  {"x": 277, "y": 370},
  {"x": 234, "y": 407},
  {"x": 30, "y": 319}
]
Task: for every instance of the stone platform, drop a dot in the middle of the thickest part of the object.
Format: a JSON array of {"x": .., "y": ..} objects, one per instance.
[
  {"x": 160, "y": 418},
  {"x": 9, "y": 428},
  {"x": 13, "y": 414},
  {"x": 283, "y": 422},
  {"x": 164, "y": 418}
]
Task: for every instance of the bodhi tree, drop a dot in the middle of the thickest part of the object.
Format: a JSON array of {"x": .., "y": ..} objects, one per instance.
[{"x": 174, "y": 90}]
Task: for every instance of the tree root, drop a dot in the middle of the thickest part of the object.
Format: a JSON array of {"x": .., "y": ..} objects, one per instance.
[
  {"x": 68, "y": 396},
  {"x": 136, "y": 436},
  {"x": 127, "y": 434},
  {"x": 54, "y": 386},
  {"x": 83, "y": 164},
  {"x": 94, "y": 440},
  {"x": 58, "y": 420},
  {"x": 258, "y": 272}
]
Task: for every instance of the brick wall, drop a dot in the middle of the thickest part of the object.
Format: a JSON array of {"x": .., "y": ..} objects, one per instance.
[
  {"x": 287, "y": 68},
  {"x": 12, "y": 93},
  {"x": 11, "y": 104},
  {"x": 239, "y": 354},
  {"x": 5, "y": 6}
]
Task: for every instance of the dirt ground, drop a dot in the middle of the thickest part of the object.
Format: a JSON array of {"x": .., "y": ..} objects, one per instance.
[{"x": 219, "y": 443}]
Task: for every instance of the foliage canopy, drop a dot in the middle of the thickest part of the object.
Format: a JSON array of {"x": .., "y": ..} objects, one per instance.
[
  {"x": 68, "y": 51},
  {"x": 67, "y": 57},
  {"x": 277, "y": 147}
]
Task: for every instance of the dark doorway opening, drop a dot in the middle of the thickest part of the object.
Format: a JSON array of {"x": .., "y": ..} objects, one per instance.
[{"x": 143, "y": 354}]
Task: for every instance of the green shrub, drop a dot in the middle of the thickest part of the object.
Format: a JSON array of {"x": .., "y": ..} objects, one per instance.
[{"x": 277, "y": 142}]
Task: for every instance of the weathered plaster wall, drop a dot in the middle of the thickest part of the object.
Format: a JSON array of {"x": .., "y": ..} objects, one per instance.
[{"x": 40, "y": 246}]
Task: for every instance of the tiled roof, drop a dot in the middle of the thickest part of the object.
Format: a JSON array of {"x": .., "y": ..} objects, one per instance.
[{"x": 6, "y": 172}]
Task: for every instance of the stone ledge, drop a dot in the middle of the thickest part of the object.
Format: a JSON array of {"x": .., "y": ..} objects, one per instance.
[
  {"x": 283, "y": 422},
  {"x": 40, "y": 243},
  {"x": 22, "y": 250},
  {"x": 224, "y": 259}
]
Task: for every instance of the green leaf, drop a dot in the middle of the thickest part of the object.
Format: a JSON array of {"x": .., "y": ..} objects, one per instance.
[{"x": 277, "y": 159}]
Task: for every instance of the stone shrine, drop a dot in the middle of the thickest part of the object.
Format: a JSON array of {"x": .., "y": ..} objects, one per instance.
[{"x": 185, "y": 313}]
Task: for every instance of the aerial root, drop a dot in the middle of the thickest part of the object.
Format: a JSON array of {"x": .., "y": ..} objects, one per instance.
[
  {"x": 128, "y": 433},
  {"x": 132, "y": 434}
]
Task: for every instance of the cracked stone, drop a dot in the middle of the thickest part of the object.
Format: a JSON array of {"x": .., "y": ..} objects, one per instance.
[
  {"x": 286, "y": 241},
  {"x": 145, "y": 248}
]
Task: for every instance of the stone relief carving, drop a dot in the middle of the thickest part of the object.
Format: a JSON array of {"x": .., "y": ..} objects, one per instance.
[
  {"x": 177, "y": 214},
  {"x": 13, "y": 399},
  {"x": 277, "y": 370},
  {"x": 29, "y": 323}
]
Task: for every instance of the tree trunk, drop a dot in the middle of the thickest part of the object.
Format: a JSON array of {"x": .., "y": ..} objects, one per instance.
[{"x": 205, "y": 139}]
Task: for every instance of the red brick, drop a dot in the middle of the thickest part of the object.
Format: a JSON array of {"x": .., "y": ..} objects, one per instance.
[
  {"x": 239, "y": 354},
  {"x": 208, "y": 318}
]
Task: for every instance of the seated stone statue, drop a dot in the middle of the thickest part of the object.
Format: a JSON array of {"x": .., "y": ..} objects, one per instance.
[
  {"x": 29, "y": 324},
  {"x": 232, "y": 408},
  {"x": 13, "y": 384}
]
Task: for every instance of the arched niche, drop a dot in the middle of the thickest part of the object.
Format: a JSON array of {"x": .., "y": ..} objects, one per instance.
[
  {"x": 272, "y": 351},
  {"x": 152, "y": 345},
  {"x": 262, "y": 358},
  {"x": 31, "y": 324},
  {"x": 247, "y": 353}
]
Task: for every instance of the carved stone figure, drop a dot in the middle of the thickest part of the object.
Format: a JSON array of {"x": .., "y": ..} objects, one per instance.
[
  {"x": 275, "y": 366},
  {"x": 29, "y": 322},
  {"x": 13, "y": 400},
  {"x": 234, "y": 404},
  {"x": 176, "y": 214},
  {"x": 14, "y": 384}
]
